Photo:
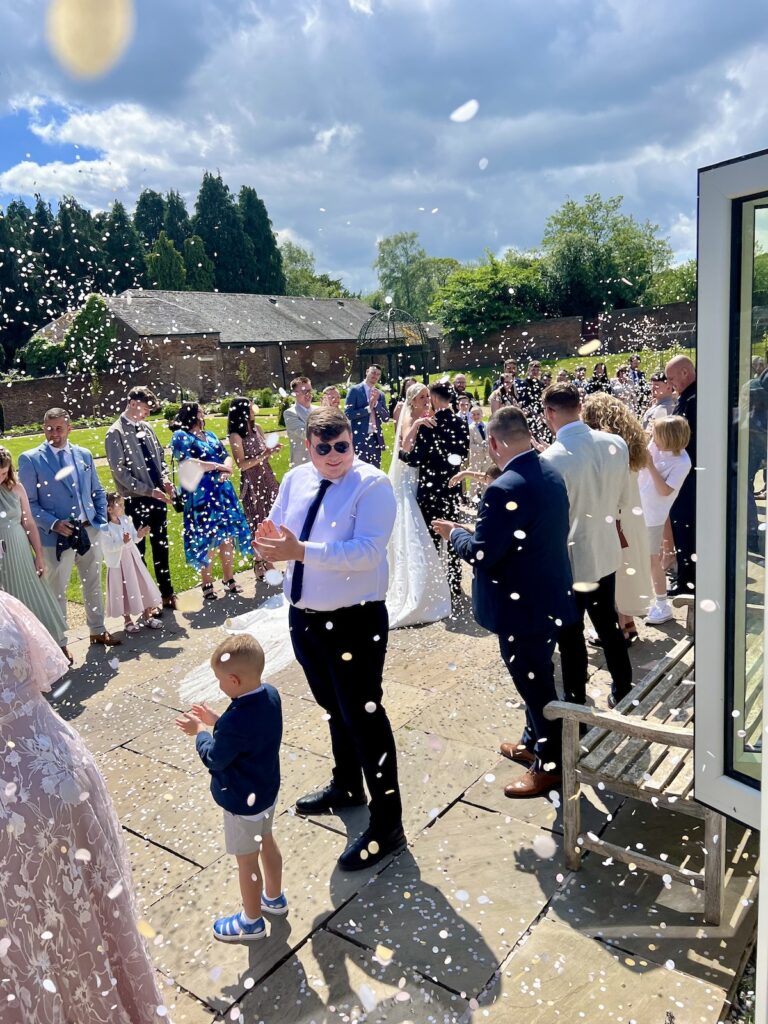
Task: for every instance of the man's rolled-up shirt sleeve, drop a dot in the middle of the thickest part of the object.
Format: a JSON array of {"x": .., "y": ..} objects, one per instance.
[{"x": 365, "y": 549}]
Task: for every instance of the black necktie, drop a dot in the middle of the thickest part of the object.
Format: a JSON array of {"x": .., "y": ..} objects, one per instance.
[
  {"x": 481, "y": 428},
  {"x": 298, "y": 567}
]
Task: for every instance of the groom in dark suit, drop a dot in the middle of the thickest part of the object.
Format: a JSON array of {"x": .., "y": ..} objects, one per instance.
[
  {"x": 522, "y": 586},
  {"x": 438, "y": 453}
]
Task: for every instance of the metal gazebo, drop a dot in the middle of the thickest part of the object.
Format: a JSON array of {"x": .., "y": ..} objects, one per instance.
[{"x": 397, "y": 342}]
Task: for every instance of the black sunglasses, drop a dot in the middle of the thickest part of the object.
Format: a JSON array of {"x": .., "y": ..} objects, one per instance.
[{"x": 339, "y": 446}]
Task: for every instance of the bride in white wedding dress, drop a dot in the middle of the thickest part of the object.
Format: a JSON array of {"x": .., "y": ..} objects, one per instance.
[{"x": 418, "y": 587}]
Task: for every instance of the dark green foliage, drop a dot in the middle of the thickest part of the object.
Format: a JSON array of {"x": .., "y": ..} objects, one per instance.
[
  {"x": 217, "y": 222},
  {"x": 264, "y": 398},
  {"x": 165, "y": 267},
  {"x": 90, "y": 339},
  {"x": 224, "y": 405},
  {"x": 200, "y": 269},
  {"x": 265, "y": 273},
  {"x": 149, "y": 217},
  {"x": 171, "y": 411},
  {"x": 676, "y": 284},
  {"x": 123, "y": 251},
  {"x": 301, "y": 279},
  {"x": 487, "y": 389},
  {"x": 176, "y": 222},
  {"x": 42, "y": 357}
]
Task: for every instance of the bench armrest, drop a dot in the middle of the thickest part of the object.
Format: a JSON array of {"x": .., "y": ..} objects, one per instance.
[{"x": 674, "y": 735}]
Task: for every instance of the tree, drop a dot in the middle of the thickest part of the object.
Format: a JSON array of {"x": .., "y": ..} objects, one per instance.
[
  {"x": 165, "y": 267},
  {"x": 218, "y": 223},
  {"x": 90, "y": 340},
  {"x": 475, "y": 301},
  {"x": 77, "y": 255},
  {"x": 43, "y": 357},
  {"x": 123, "y": 250},
  {"x": 598, "y": 258},
  {"x": 266, "y": 271},
  {"x": 176, "y": 222},
  {"x": 149, "y": 216},
  {"x": 199, "y": 268},
  {"x": 301, "y": 279},
  {"x": 676, "y": 284},
  {"x": 400, "y": 265}
]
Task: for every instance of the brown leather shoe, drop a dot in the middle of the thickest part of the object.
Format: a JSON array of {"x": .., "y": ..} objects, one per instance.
[
  {"x": 170, "y": 602},
  {"x": 106, "y": 639},
  {"x": 533, "y": 783},
  {"x": 518, "y": 753}
]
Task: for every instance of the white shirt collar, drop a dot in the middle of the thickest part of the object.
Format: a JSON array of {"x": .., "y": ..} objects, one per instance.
[
  {"x": 519, "y": 454},
  {"x": 67, "y": 448}
]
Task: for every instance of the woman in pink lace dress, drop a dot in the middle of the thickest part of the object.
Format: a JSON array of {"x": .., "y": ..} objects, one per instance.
[{"x": 69, "y": 945}]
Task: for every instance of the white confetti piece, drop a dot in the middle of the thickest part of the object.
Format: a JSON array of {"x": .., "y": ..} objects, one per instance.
[
  {"x": 48, "y": 985},
  {"x": 370, "y": 707},
  {"x": 589, "y": 347},
  {"x": 465, "y": 112},
  {"x": 273, "y": 577}
]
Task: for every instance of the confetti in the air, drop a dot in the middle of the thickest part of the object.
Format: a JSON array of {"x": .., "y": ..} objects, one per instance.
[{"x": 465, "y": 112}]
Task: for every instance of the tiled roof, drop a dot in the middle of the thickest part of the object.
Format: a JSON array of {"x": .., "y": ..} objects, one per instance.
[{"x": 241, "y": 319}]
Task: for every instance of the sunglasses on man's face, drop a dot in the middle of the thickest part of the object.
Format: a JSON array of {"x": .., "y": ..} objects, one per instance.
[{"x": 325, "y": 449}]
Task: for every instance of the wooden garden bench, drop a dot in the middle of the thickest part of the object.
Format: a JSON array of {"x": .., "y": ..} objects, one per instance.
[{"x": 643, "y": 749}]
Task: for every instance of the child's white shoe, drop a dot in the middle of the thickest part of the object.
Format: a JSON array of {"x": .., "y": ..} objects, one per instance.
[
  {"x": 659, "y": 613},
  {"x": 132, "y": 627},
  {"x": 152, "y": 623}
]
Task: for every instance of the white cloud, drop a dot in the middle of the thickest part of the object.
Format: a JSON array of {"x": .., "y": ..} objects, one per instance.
[
  {"x": 362, "y": 6},
  {"x": 342, "y": 133}
]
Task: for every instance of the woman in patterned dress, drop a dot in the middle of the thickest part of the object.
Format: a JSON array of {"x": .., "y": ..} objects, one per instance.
[
  {"x": 213, "y": 518},
  {"x": 258, "y": 484}
]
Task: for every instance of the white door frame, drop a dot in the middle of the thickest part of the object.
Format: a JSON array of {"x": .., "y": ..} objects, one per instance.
[{"x": 718, "y": 187}]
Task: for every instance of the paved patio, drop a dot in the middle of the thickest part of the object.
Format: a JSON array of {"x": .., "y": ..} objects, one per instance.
[{"x": 477, "y": 920}]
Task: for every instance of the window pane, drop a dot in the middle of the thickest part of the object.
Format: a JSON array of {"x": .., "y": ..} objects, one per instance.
[{"x": 750, "y": 511}]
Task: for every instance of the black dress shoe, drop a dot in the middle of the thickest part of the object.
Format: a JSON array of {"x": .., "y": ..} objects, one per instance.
[
  {"x": 329, "y": 800},
  {"x": 371, "y": 847}
]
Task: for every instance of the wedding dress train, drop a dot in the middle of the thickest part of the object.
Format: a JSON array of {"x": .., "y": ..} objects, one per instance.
[{"x": 418, "y": 589}]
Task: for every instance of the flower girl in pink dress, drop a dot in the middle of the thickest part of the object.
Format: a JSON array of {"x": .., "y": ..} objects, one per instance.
[{"x": 130, "y": 589}]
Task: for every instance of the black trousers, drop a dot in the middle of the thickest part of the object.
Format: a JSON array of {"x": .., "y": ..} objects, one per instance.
[
  {"x": 154, "y": 514},
  {"x": 444, "y": 507},
  {"x": 344, "y": 666},
  {"x": 683, "y": 518},
  {"x": 600, "y": 605},
  {"x": 529, "y": 661}
]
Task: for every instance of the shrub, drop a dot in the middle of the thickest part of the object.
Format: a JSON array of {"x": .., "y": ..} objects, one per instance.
[
  {"x": 282, "y": 405},
  {"x": 487, "y": 388},
  {"x": 264, "y": 398},
  {"x": 475, "y": 395},
  {"x": 43, "y": 357},
  {"x": 224, "y": 406},
  {"x": 171, "y": 411}
]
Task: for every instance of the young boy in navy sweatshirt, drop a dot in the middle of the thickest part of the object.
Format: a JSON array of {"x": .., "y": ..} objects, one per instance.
[{"x": 243, "y": 757}]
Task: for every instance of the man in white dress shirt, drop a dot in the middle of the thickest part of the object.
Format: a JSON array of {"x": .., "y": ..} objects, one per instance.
[
  {"x": 295, "y": 419},
  {"x": 331, "y": 521},
  {"x": 595, "y": 467}
]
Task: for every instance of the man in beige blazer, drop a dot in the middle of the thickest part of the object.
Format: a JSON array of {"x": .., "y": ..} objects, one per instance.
[
  {"x": 595, "y": 467},
  {"x": 295, "y": 418}
]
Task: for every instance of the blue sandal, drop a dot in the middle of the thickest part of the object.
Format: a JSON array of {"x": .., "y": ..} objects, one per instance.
[
  {"x": 234, "y": 929},
  {"x": 279, "y": 905}
]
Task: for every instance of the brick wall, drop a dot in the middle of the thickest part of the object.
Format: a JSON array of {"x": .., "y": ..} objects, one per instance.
[{"x": 543, "y": 338}]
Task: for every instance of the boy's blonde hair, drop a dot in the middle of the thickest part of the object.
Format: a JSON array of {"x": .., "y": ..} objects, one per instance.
[
  {"x": 671, "y": 434},
  {"x": 240, "y": 655}
]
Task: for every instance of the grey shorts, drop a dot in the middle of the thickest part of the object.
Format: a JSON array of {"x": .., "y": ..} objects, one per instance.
[
  {"x": 655, "y": 538},
  {"x": 243, "y": 833}
]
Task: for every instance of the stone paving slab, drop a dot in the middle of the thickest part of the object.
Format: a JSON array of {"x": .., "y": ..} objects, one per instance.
[
  {"x": 596, "y": 807},
  {"x": 558, "y": 974},
  {"x": 440, "y": 907},
  {"x": 332, "y": 979},
  {"x": 218, "y": 973},
  {"x": 156, "y": 871},
  {"x": 661, "y": 922}
]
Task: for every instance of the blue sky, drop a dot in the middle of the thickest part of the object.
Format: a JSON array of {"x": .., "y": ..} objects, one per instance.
[{"x": 338, "y": 113}]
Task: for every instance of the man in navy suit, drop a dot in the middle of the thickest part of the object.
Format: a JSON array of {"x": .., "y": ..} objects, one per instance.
[
  {"x": 64, "y": 490},
  {"x": 522, "y": 585},
  {"x": 366, "y": 410}
]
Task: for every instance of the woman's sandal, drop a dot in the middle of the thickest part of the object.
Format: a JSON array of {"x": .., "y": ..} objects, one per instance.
[
  {"x": 231, "y": 587},
  {"x": 208, "y": 594},
  {"x": 132, "y": 627}
]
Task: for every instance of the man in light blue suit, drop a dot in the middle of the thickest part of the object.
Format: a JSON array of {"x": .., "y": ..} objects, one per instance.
[
  {"x": 366, "y": 410},
  {"x": 63, "y": 488}
]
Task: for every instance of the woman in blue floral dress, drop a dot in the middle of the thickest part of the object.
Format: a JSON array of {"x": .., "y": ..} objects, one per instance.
[{"x": 213, "y": 518}]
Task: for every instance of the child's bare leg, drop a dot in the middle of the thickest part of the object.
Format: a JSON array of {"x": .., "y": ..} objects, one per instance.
[
  {"x": 658, "y": 576},
  {"x": 250, "y": 883},
  {"x": 272, "y": 862}
]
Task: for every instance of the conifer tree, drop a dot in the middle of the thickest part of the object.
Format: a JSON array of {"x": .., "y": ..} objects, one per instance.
[
  {"x": 149, "y": 217},
  {"x": 90, "y": 340},
  {"x": 123, "y": 250},
  {"x": 176, "y": 223},
  {"x": 200, "y": 269},
  {"x": 165, "y": 267},
  {"x": 265, "y": 273},
  {"x": 217, "y": 221}
]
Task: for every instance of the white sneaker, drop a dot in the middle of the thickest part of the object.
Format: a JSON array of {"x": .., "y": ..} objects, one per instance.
[{"x": 660, "y": 612}]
